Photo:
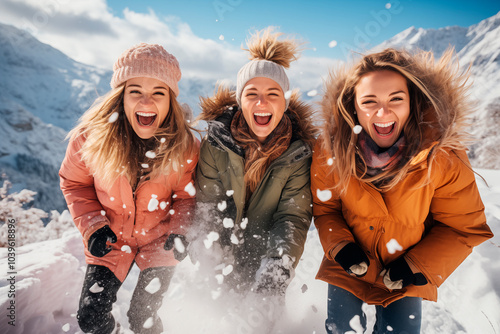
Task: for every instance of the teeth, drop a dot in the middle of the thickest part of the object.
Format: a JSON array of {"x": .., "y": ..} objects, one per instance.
[
  {"x": 146, "y": 114},
  {"x": 384, "y": 125},
  {"x": 262, "y": 114}
]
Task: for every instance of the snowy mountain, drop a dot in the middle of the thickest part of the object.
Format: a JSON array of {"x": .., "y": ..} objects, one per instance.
[{"x": 477, "y": 46}]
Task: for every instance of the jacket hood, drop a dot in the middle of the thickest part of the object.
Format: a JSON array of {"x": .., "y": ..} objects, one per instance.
[
  {"x": 222, "y": 106},
  {"x": 444, "y": 124}
]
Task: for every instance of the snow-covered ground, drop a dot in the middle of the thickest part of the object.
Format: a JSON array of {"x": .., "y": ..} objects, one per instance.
[{"x": 49, "y": 277}]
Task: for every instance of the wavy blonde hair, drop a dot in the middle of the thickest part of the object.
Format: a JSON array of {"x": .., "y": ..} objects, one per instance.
[
  {"x": 432, "y": 118},
  {"x": 112, "y": 149}
]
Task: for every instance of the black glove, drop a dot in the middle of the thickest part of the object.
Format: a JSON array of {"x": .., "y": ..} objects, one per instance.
[
  {"x": 399, "y": 275},
  {"x": 353, "y": 259},
  {"x": 179, "y": 254},
  {"x": 274, "y": 275},
  {"x": 97, "y": 242}
]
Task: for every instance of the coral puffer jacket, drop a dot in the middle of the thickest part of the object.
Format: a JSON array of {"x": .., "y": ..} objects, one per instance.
[{"x": 141, "y": 221}]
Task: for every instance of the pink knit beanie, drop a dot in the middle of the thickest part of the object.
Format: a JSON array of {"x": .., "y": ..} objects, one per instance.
[{"x": 147, "y": 60}]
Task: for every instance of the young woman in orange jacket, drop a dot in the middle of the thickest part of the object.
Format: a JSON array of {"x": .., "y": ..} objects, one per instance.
[
  {"x": 395, "y": 200},
  {"x": 128, "y": 180}
]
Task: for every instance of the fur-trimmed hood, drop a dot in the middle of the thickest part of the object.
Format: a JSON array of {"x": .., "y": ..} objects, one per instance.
[
  {"x": 219, "y": 110},
  {"x": 444, "y": 126}
]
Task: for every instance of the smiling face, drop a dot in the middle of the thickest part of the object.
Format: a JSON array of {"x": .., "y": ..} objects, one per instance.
[
  {"x": 146, "y": 102},
  {"x": 263, "y": 105},
  {"x": 383, "y": 105}
]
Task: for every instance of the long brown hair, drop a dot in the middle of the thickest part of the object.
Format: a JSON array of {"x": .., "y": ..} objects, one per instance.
[
  {"x": 112, "y": 149},
  {"x": 430, "y": 118}
]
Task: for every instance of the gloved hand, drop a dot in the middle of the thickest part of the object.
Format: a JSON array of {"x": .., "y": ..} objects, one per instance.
[
  {"x": 398, "y": 274},
  {"x": 97, "y": 242},
  {"x": 180, "y": 246},
  {"x": 274, "y": 275},
  {"x": 353, "y": 260}
]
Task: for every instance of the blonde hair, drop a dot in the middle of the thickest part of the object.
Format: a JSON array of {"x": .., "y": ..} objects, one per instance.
[
  {"x": 430, "y": 117},
  {"x": 112, "y": 149}
]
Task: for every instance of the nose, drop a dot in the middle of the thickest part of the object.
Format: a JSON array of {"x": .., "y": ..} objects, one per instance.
[
  {"x": 262, "y": 100},
  {"x": 384, "y": 110},
  {"x": 146, "y": 99}
]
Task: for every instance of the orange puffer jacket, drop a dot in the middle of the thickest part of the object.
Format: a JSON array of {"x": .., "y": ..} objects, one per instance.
[
  {"x": 388, "y": 225},
  {"x": 141, "y": 221}
]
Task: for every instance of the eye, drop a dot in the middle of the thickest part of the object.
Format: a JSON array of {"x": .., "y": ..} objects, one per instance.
[
  {"x": 251, "y": 94},
  {"x": 134, "y": 91},
  {"x": 159, "y": 93},
  {"x": 397, "y": 98},
  {"x": 368, "y": 102}
]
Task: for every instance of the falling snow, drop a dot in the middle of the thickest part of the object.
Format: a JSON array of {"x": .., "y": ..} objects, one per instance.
[
  {"x": 228, "y": 222},
  {"x": 324, "y": 195},
  {"x": 113, "y": 117},
  {"x": 190, "y": 189},
  {"x": 96, "y": 288},
  {"x": 153, "y": 286},
  {"x": 357, "y": 129},
  {"x": 393, "y": 246},
  {"x": 150, "y": 154}
]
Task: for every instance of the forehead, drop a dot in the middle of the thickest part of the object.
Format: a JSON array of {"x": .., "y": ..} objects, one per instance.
[
  {"x": 261, "y": 83},
  {"x": 384, "y": 81},
  {"x": 146, "y": 82}
]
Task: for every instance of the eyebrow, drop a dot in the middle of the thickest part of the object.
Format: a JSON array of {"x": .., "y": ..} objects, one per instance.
[
  {"x": 393, "y": 93},
  {"x": 157, "y": 87},
  {"x": 272, "y": 88}
]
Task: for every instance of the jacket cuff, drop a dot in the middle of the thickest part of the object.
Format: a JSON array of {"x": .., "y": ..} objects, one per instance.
[
  {"x": 336, "y": 249},
  {"x": 95, "y": 224}
]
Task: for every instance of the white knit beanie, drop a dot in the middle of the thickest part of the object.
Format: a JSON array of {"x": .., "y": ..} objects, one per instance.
[
  {"x": 150, "y": 61},
  {"x": 262, "y": 68}
]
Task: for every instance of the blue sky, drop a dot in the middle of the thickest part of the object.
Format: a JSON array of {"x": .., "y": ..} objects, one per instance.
[
  {"x": 318, "y": 22},
  {"x": 206, "y": 36}
]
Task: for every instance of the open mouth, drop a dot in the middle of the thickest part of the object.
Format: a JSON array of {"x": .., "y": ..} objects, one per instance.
[
  {"x": 384, "y": 129},
  {"x": 262, "y": 118},
  {"x": 145, "y": 118}
]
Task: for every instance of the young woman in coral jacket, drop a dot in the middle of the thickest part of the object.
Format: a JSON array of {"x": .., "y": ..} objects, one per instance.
[{"x": 128, "y": 181}]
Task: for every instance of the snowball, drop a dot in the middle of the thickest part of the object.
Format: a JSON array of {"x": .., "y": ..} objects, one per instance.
[
  {"x": 126, "y": 249},
  {"x": 153, "y": 286},
  {"x": 330, "y": 162},
  {"x": 216, "y": 294},
  {"x": 222, "y": 206},
  {"x": 313, "y": 92},
  {"x": 234, "y": 239},
  {"x": 103, "y": 212},
  {"x": 324, "y": 195},
  {"x": 228, "y": 223},
  {"x": 211, "y": 237},
  {"x": 412, "y": 316},
  {"x": 172, "y": 211},
  {"x": 113, "y": 117},
  {"x": 150, "y": 154},
  {"x": 96, "y": 288},
  {"x": 145, "y": 165},
  {"x": 393, "y": 246},
  {"x": 65, "y": 328},
  {"x": 390, "y": 329},
  {"x": 221, "y": 37},
  {"x": 229, "y": 193},
  {"x": 148, "y": 323},
  {"x": 153, "y": 204},
  {"x": 357, "y": 129},
  {"x": 332, "y": 44},
  {"x": 244, "y": 223},
  {"x": 288, "y": 94},
  {"x": 227, "y": 270},
  {"x": 190, "y": 189},
  {"x": 179, "y": 246},
  {"x": 163, "y": 205}
]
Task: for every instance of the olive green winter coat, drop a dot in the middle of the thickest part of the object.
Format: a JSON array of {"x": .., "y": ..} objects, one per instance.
[{"x": 276, "y": 218}]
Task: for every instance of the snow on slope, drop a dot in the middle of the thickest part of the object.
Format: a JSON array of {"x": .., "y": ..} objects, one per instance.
[{"x": 50, "y": 274}]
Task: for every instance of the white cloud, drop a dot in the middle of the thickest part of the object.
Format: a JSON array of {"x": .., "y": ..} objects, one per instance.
[{"x": 90, "y": 33}]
